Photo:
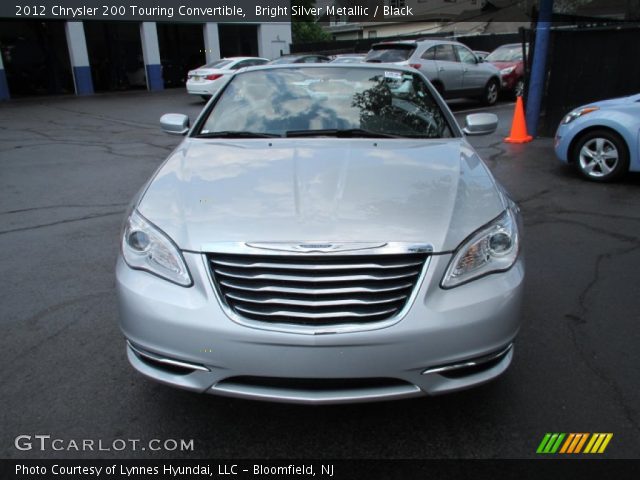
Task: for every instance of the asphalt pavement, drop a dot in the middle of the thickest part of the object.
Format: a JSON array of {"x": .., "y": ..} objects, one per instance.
[{"x": 68, "y": 169}]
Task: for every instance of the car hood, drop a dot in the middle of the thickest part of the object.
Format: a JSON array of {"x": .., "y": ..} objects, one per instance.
[
  {"x": 501, "y": 65},
  {"x": 617, "y": 101},
  {"x": 329, "y": 190}
]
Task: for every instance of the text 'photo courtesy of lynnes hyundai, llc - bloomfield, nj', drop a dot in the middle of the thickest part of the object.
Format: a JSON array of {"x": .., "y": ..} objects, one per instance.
[{"x": 341, "y": 239}]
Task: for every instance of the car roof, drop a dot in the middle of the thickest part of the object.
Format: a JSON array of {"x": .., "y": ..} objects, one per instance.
[
  {"x": 421, "y": 42},
  {"x": 297, "y": 55},
  {"x": 235, "y": 59},
  {"x": 378, "y": 66}
]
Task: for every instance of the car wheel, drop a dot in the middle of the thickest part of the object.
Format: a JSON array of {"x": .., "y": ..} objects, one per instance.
[
  {"x": 601, "y": 156},
  {"x": 206, "y": 97},
  {"x": 491, "y": 91},
  {"x": 518, "y": 91}
]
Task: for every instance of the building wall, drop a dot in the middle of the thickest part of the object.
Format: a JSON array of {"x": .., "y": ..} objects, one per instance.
[
  {"x": 392, "y": 29},
  {"x": 379, "y": 30},
  {"x": 274, "y": 39},
  {"x": 78, "y": 41}
]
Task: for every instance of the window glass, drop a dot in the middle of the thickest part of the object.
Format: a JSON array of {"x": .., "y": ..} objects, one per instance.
[
  {"x": 217, "y": 64},
  {"x": 390, "y": 53},
  {"x": 430, "y": 54},
  {"x": 465, "y": 55},
  {"x": 445, "y": 53},
  {"x": 378, "y": 100},
  {"x": 241, "y": 64},
  {"x": 508, "y": 53},
  {"x": 285, "y": 59}
]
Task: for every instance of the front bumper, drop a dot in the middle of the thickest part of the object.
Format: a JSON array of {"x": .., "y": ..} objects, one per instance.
[
  {"x": 509, "y": 81},
  {"x": 217, "y": 355},
  {"x": 562, "y": 142}
]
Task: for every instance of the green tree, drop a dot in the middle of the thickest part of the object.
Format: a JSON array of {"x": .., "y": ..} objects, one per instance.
[{"x": 304, "y": 28}]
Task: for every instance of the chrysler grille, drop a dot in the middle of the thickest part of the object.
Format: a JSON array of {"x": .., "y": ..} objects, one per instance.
[{"x": 316, "y": 289}]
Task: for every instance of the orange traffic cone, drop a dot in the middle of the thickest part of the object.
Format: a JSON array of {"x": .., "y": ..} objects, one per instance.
[{"x": 519, "y": 127}]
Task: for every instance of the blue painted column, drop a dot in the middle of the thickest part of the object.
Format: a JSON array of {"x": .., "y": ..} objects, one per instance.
[
  {"x": 4, "y": 86},
  {"x": 539, "y": 66},
  {"x": 151, "y": 55},
  {"x": 77, "y": 45}
]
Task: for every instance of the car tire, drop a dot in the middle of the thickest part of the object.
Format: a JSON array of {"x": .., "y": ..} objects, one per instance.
[
  {"x": 518, "y": 90},
  {"x": 491, "y": 92},
  {"x": 206, "y": 97},
  {"x": 601, "y": 155}
]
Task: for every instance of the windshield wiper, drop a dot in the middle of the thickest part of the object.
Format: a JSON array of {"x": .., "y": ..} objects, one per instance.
[
  {"x": 236, "y": 134},
  {"x": 344, "y": 133}
]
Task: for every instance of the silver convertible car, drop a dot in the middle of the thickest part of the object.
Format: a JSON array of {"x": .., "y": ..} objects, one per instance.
[{"x": 323, "y": 234}]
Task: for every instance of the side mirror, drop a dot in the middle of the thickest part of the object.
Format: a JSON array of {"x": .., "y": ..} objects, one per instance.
[
  {"x": 480, "y": 124},
  {"x": 174, "y": 123}
]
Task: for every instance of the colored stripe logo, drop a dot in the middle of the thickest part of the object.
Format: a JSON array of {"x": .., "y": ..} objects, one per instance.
[{"x": 573, "y": 443}]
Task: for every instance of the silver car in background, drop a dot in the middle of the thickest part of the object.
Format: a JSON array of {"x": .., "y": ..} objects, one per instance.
[
  {"x": 323, "y": 234},
  {"x": 349, "y": 58},
  {"x": 450, "y": 66}
]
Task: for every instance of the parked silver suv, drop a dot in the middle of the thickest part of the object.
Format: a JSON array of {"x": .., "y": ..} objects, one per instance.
[{"x": 451, "y": 67}]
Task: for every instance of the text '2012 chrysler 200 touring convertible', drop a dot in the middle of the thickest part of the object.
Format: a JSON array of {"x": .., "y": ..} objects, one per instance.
[{"x": 323, "y": 234}]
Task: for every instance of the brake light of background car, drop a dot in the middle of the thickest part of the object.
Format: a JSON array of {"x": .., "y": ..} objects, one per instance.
[
  {"x": 415, "y": 65},
  {"x": 213, "y": 76}
]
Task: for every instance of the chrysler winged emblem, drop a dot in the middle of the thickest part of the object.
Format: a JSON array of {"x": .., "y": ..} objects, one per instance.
[{"x": 317, "y": 247}]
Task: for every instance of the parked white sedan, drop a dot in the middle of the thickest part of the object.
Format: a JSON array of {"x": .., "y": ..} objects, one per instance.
[{"x": 207, "y": 79}]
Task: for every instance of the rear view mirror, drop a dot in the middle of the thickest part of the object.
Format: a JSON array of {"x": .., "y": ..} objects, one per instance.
[
  {"x": 174, "y": 123},
  {"x": 480, "y": 124}
]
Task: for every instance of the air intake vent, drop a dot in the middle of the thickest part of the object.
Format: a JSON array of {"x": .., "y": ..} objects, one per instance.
[{"x": 324, "y": 289}]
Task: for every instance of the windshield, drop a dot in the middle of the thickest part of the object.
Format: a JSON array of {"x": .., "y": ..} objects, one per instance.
[
  {"x": 390, "y": 53},
  {"x": 289, "y": 59},
  {"x": 306, "y": 101},
  {"x": 506, "y": 54},
  {"x": 217, "y": 64}
]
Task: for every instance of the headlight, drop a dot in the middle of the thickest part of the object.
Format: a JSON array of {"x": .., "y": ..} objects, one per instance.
[
  {"x": 493, "y": 248},
  {"x": 145, "y": 247},
  {"x": 577, "y": 114},
  {"x": 507, "y": 71}
]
